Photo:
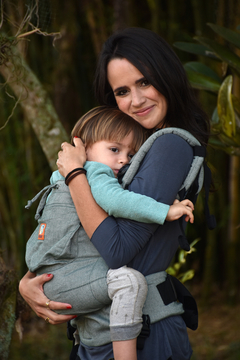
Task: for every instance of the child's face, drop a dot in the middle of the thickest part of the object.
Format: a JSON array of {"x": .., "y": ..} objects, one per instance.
[{"x": 111, "y": 153}]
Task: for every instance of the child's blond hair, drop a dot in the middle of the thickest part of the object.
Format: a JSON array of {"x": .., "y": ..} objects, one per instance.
[{"x": 108, "y": 124}]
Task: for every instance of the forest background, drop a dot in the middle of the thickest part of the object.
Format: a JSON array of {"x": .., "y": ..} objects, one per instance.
[{"x": 48, "y": 53}]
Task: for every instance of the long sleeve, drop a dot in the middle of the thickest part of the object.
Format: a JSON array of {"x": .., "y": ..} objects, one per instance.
[
  {"x": 121, "y": 203},
  {"x": 160, "y": 176}
]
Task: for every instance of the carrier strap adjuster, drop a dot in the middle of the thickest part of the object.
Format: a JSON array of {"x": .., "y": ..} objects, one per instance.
[{"x": 145, "y": 332}]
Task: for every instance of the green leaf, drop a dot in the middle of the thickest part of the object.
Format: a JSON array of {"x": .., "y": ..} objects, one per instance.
[
  {"x": 196, "y": 49},
  {"x": 222, "y": 52},
  {"x": 230, "y": 35},
  {"x": 186, "y": 276},
  {"x": 204, "y": 70},
  {"x": 176, "y": 266},
  {"x": 200, "y": 81},
  {"x": 171, "y": 271},
  {"x": 217, "y": 143},
  {"x": 216, "y": 127},
  {"x": 229, "y": 142},
  {"x": 181, "y": 257},
  {"x": 225, "y": 108},
  {"x": 215, "y": 118},
  {"x": 194, "y": 242}
]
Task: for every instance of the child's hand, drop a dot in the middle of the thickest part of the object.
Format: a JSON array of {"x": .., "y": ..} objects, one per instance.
[{"x": 178, "y": 209}]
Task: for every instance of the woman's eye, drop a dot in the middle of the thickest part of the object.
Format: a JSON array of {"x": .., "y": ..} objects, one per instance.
[
  {"x": 121, "y": 93},
  {"x": 145, "y": 82}
]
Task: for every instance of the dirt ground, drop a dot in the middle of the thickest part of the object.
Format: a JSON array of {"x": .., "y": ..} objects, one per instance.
[
  {"x": 217, "y": 337},
  {"x": 218, "y": 334}
]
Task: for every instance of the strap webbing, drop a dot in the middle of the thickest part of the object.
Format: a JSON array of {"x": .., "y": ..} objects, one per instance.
[{"x": 145, "y": 332}]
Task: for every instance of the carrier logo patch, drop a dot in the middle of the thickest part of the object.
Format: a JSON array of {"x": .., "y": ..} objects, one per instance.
[{"x": 41, "y": 232}]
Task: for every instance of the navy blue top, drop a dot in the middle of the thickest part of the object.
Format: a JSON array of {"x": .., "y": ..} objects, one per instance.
[{"x": 149, "y": 248}]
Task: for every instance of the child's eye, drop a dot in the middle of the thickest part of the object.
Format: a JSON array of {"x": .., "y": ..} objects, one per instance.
[
  {"x": 131, "y": 156},
  {"x": 113, "y": 149}
]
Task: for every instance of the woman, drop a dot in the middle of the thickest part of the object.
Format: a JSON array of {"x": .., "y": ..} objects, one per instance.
[{"x": 138, "y": 72}]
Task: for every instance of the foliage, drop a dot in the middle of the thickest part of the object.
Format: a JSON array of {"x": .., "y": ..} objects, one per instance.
[
  {"x": 174, "y": 270},
  {"x": 65, "y": 68},
  {"x": 226, "y": 116}
]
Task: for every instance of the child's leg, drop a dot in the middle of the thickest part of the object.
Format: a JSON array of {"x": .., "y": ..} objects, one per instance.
[
  {"x": 125, "y": 350},
  {"x": 128, "y": 290}
]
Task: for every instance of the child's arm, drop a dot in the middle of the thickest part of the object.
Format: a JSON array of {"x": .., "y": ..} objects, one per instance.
[{"x": 126, "y": 204}]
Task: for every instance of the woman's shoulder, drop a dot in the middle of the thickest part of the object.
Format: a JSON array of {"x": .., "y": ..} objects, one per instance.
[{"x": 170, "y": 143}]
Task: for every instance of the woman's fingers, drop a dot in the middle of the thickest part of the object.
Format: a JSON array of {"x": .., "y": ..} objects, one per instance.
[
  {"x": 31, "y": 289},
  {"x": 71, "y": 157},
  {"x": 54, "y": 318}
]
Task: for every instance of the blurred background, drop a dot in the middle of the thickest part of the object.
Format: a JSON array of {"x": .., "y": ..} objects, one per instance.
[{"x": 48, "y": 54}]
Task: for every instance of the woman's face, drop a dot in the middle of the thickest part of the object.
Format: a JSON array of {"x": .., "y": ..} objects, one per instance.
[{"x": 134, "y": 95}]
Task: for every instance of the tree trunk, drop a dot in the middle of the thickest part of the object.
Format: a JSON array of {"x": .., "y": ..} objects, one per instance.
[
  {"x": 37, "y": 107},
  {"x": 8, "y": 295},
  {"x": 233, "y": 237}
]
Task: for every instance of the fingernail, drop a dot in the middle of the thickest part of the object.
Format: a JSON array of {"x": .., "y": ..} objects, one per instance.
[
  {"x": 48, "y": 275},
  {"x": 68, "y": 307},
  {"x": 74, "y": 317},
  {"x": 75, "y": 137}
]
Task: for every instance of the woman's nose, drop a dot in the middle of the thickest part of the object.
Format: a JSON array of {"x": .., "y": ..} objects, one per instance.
[{"x": 137, "y": 98}]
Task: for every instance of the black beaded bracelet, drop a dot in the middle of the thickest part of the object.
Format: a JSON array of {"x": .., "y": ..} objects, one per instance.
[{"x": 73, "y": 174}]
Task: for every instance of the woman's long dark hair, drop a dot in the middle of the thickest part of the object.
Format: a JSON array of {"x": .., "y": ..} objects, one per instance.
[{"x": 159, "y": 64}]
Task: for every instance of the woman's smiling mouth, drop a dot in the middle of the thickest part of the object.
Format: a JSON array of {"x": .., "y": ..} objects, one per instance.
[{"x": 143, "y": 112}]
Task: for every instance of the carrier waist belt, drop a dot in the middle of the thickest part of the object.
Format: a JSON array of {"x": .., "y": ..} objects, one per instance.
[{"x": 161, "y": 301}]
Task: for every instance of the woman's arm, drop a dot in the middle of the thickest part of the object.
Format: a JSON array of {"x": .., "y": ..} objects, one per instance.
[
  {"x": 90, "y": 214},
  {"x": 31, "y": 286},
  {"x": 160, "y": 176}
]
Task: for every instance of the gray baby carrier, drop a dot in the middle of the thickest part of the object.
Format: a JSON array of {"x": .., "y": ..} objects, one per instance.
[{"x": 199, "y": 174}]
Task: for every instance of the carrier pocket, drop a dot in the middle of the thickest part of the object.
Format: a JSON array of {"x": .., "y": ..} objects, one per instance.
[{"x": 55, "y": 240}]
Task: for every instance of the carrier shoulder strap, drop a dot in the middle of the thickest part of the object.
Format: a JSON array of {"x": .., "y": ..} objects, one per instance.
[
  {"x": 196, "y": 167},
  {"x": 196, "y": 175}
]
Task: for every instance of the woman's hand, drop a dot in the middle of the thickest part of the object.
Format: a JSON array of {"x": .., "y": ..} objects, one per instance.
[
  {"x": 71, "y": 157},
  {"x": 31, "y": 289}
]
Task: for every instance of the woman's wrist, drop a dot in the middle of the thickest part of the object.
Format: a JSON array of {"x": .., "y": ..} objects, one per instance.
[{"x": 72, "y": 174}]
